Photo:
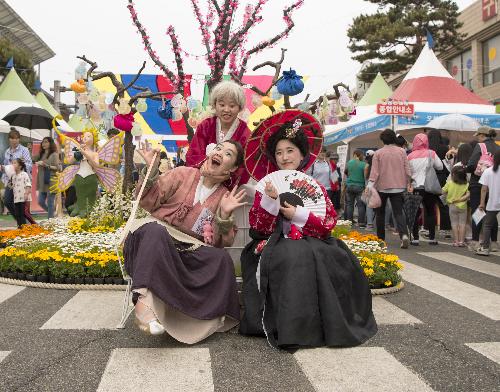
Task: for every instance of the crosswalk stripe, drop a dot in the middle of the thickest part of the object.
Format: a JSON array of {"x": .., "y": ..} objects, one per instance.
[
  {"x": 3, "y": 355},
  {"x": 8, "y": 290},
  {"x": 158, "y": 369},
  {"x": 490, "y": 350},
  {"x": 357, "y": 369},
  {"x": 88, "y": 309},
  {"x": 466, "y": 262},
  {"x": 387, "y": 313},
  {"x": 474, "y": 298}
]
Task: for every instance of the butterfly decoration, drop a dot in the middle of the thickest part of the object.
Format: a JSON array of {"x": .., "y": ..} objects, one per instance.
[{"x": 109, "y": 154}]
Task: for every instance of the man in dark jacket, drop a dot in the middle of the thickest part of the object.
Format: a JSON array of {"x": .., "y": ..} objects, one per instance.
[{"x": 487, "y": 136}]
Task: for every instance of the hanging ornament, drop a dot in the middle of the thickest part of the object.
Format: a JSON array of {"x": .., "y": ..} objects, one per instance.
[
  {"x": 192, "y": 103},
  {"x": 83, "y": 98},
  {"x": 165, "y": 110},
  {"x": 136, "y": 129},
  {"x": 344, "y": 100},
  {"x": 94, "y": 96},
  {"x": 141, "y": 106},
  {"x": 123, "y": 107},
  {"x": 193, "y": 122},
  {"x": 275, "y": 94},
  {"x": 290, "y": 83},
  {"x": 176, "y": 101},
  {"x": 81, "y": 70},
  {"x": 268, "y": 101},
  {"x": 95, "y": 115},
  {"x": 256, "y": 101},
  {"x": 78, "y": 86},
  {"x": 124, "y": 121},
  {"x": 82, "y": 111},
  {"x": 183, "y": 108},
  {"x": 109, "y": 98},
  {"x": 101, "y": 105},
  {"x": 176, "y": 115}
]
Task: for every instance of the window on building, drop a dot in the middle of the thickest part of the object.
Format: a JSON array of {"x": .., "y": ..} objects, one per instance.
[
  {"x": 460, "y": 67},
  {"x": 491, "y": 61}
]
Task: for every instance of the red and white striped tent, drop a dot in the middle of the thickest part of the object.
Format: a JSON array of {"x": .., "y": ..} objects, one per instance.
[{"x": 430, "y": 87}]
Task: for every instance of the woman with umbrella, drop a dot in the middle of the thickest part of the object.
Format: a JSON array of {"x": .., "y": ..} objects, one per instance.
[{"x": 301, "y": 286}]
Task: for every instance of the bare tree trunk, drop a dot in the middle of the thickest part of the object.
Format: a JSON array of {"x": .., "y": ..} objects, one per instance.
[{"x": 128, "y": 180}]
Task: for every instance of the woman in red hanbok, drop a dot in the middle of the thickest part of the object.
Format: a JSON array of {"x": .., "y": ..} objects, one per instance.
[
  {"x": 228, "y": 100},
  {"x": 301, "y": 286}
]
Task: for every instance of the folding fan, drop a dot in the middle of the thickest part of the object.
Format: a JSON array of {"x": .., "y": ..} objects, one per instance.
[{"x": 296, "y": 188}]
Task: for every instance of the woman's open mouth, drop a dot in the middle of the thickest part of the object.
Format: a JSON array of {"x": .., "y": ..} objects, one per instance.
[{"x": 216, "y": 161}]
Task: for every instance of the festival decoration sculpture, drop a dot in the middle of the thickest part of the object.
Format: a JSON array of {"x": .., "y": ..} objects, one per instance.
[{"x": 86, "y": 168}]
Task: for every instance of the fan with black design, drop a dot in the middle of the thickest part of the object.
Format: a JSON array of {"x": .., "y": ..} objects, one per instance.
[{"x": 296, "y": 188}]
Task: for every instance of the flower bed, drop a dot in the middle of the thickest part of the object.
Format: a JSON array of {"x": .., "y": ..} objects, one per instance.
[
  {"x": 381, "y": 268},
  {"x": 54, "y": 253}
]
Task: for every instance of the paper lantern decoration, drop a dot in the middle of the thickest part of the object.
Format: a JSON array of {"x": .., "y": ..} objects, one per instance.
[
  {"x": 193, "y": 122},
  {"x": 141, "y": 105},
  {"x": 136, "y": 129},
  {"x": 78, "y": 86},
  {"x": 290, "y": 83},
  {"x": 268, "y": 101},
  {"x": 81, "y": 71},
  {"x": 82, "y": 111},
  {"x": 102, "y": 106},
  {"x": 124, "y": 122},
  {"x": 123, "y": 107},
  {"x": 192, "y": 103},
  {"x": 95, "y": 115},
  {"x": 345, "y": 100},
  {"x": 183, "y": 108}
]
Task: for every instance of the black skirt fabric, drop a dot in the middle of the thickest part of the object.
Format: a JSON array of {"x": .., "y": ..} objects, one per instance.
[
  {"x": 199, "y": 283},
  {"x": 312, "y": 293}
]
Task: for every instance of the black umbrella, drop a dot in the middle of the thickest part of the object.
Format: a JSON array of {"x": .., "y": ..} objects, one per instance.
[
  {"x": 30, "y": 117},
  {"x": 411, "y": 207}
]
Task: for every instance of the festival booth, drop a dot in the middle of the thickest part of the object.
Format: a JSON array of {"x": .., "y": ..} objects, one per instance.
[{"x": 433, "y": 92}]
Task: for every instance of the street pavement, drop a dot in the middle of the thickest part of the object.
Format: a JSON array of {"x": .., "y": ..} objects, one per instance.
[{"x": 440, "y": 333}]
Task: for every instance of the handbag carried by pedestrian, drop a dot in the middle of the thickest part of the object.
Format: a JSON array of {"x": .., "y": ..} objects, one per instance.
[
  {"x": 371, "y": 197},
  {"x": 431, "y": 184}
]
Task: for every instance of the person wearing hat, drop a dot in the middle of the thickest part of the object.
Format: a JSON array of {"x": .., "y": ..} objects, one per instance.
[
  {"x": 301, "y": 286},
  {"x": 486, "y": 147}
]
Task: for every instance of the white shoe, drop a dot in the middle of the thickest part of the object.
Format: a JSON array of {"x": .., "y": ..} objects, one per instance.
[
  {"x": 155, "y": 328},
  {"x": 405, "y": 242},
  {"x": 493, "y": 246}
]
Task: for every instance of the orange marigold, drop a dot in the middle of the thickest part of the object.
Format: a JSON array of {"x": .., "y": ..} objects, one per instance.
[{"x": 25, "y": 231}]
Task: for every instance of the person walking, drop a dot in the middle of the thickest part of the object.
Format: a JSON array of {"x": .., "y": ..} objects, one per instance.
[
  {"x": 481, "y": 157},
  {"x": 48, "y": 165},
  {"x": 419, "y": 159},
  {"x": 355, "y": 185},
  {"x": 390, "y": 175},
  {"x": 15, "y": 151},
  {"x": 456, "y": 191},
  {"x": 370, "y": 212},
  {"x": 323, "y": 172},
  {"x": 336, "y": 187},
  {"x": 490, "y": 184},
  {"x": 21, "y": 187}
]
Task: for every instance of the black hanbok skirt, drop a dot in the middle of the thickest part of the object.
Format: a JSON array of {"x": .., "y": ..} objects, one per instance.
[{"x": 312, "y": 293}]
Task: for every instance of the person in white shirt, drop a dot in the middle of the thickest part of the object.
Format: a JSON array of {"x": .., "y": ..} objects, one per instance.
[
  {"x": 21, "y": 186},
  {"x": 490, "y": 181}
]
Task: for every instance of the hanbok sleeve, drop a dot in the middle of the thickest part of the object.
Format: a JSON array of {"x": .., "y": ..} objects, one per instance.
[
  {"x": 197, "y": 147},
  {"x": 161, "y": 190},
  {"x": 316, "y": 226},
  {"x": 262, "y": 217}
]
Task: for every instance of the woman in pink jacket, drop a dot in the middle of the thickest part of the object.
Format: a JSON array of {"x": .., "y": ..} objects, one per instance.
[
  {"x": 419, "y": 160},
  {"x": 390, "y": 175}
]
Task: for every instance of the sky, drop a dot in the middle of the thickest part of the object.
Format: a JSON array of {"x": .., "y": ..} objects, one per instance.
[{"x": 104, "y": 32}]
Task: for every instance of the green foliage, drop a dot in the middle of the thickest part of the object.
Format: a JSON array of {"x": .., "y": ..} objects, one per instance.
[
  {"x": 341, "y": 230},
  {"x": 23, "y": 63},
  {"x": 392, "y": 38}
]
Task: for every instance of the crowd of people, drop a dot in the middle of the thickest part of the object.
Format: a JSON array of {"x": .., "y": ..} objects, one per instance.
[{"x": 463, "y": 184}]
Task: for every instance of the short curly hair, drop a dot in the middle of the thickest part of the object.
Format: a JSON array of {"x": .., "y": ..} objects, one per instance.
[
  {"x": 300, "y": 140},
  {"x": 228, "y": 89}
]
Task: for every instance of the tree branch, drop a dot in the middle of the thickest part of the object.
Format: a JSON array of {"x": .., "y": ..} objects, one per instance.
[
  {"x": 205, "y": 35},
  {"x": 121, "y": 90},
  {"x": 277, "y": 67},
  {"x": 216, "y": 5},
  {"x": 149, "y": 94},
  {"x": 147, "y": 43},
  {"x": 93, "y": 65},
  {"x": 290, "y": 24},
  {"x": 253, "y": 88}
]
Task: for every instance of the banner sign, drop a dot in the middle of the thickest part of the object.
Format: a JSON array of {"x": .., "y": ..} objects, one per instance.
[
  {"x": 423, "y": 118},
  {"x": 396, "y": 109},
  {"x": 358, "y": 129}
]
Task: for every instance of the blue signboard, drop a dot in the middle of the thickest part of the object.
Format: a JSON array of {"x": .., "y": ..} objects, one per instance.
[
  {"x": 423, "y": 118},
  {"x": 359, "y": 129}
]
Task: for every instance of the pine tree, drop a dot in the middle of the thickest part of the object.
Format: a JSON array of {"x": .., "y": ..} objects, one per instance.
[
  {"x": 23, "y": 63},
  {"x": 392, "y": 38}
]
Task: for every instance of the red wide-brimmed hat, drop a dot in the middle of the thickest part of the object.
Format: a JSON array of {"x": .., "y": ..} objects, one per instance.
[{"x": 258, "y": 163}]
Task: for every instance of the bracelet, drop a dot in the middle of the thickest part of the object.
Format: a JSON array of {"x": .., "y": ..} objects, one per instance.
[{"x": 224, "y": 226}]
